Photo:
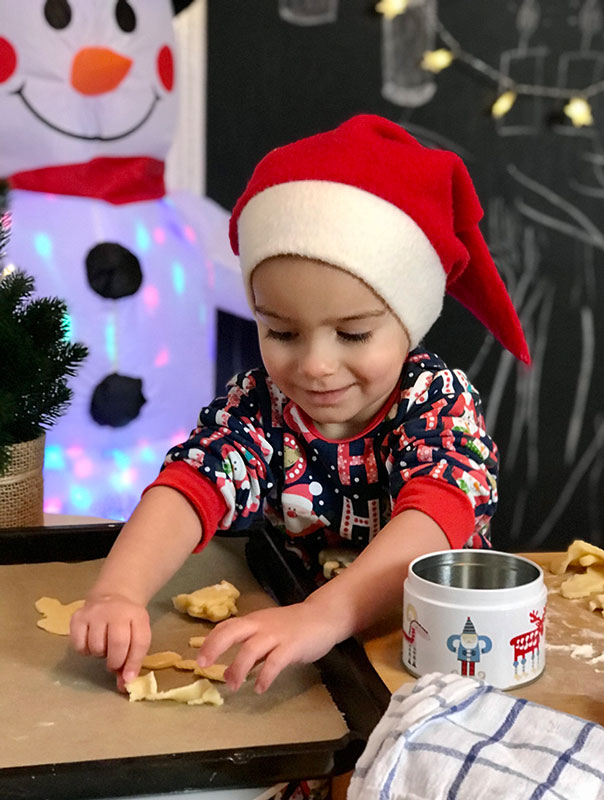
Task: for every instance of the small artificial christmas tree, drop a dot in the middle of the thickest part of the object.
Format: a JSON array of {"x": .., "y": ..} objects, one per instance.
[{"x": 36, "y": 357}]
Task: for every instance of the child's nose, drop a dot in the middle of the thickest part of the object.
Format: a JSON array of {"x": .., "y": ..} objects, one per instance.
[{"x": 317, "y": 361}]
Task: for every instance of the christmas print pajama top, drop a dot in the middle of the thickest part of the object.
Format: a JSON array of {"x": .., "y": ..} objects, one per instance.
[{"x": 255, "y": 453}]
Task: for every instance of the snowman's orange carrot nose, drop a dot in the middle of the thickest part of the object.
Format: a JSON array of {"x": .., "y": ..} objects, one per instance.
[{"x": 96, "y": 70}]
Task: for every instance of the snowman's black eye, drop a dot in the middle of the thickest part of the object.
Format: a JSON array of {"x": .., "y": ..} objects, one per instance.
[
  {"x": 57, "y": 13},
  {"x": 125, "y": 16}
]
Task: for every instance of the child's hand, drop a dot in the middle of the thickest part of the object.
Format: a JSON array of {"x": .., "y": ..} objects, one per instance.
[
  {"x": 277, "y": 636},
  {"x": 115, "y": 627}
]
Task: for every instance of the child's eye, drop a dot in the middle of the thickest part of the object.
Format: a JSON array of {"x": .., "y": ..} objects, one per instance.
[
  {"x": 281, "y": 336},
  {"x": 355, "y": 337}
]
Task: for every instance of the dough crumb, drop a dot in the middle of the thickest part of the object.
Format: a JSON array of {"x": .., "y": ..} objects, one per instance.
[
  {"x": 197, "y": 641},
  {"x": 57, "y": 616},
  {"x": 214, "y": 603}
]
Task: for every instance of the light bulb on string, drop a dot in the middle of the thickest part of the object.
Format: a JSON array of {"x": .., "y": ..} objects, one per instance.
[
  {"x": 392, "y": 8},
  {"x": 503, "y": 104},
  {"x": 437, "y": 60},
  {"x": 578, "y": 111}
]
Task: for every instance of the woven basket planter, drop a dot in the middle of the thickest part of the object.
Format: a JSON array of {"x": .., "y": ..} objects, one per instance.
[{"x": 22, "y": 487}]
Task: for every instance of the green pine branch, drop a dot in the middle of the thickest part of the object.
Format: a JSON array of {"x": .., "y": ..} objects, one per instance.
[{"x": 36, "y": 360}]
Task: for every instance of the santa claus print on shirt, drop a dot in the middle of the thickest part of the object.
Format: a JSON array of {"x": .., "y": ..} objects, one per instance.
[{"x": 298, "y": 509}]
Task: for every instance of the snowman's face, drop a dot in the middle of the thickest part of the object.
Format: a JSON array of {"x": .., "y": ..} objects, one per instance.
[{"x": 80, "y": 79}]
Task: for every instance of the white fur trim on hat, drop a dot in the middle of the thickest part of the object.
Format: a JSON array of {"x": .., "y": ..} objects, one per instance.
[{"x": 352, "y": 229}]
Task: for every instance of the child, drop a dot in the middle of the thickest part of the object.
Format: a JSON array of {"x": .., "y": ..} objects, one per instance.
[{"x": 352, "y": 432}]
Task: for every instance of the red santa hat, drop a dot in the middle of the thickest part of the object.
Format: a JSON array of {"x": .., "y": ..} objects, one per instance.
[{"x": 369, "y": 198}]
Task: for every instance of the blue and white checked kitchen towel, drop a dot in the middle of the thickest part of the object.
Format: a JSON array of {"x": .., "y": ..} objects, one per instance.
[{"x": 457, "y": 738}]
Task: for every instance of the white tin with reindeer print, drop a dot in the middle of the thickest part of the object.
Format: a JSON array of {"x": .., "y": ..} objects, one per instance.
[{"x": 475, "y": 612}]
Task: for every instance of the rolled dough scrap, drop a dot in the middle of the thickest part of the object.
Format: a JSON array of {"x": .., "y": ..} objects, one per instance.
[
  {"x": 57, "y": 616},
  {"x": 196, "y": 641},
  {"x": 215, "y": 602},
  {"x": 576, "y": 555},
  {"x": 215, "y": 672},
  {"x": 201, "y": 692},
  {"x": 161, "y": 660},
  {"x": 583, "y": 584}
]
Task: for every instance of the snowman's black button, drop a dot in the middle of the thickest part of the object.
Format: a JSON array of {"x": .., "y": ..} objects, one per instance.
[
  {"x": 117, "y": 400},
  {"x": 113, "y": 271}
]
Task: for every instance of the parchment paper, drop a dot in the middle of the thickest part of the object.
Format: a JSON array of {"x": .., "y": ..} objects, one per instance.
[{"x": 58, "y": 707}]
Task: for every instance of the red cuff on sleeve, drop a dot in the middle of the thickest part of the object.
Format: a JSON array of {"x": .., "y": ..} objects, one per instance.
[
  {"x": 448, "y": 506},
  {"x": 201, "y": 492}
]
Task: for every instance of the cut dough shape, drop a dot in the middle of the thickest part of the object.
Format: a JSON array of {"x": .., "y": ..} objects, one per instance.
[
  {"x": 161, "y": 660},
  {"x": 215, "y": 602},
  {"x": 335, "y": 560},
  {"x": 576, "y": 551},
  {"x": 186, "y": 664},
  {"x": 215, "y": 672},
  {"x": 56, "y": 615},
  {"x": 201, "y": 692},
  {"x": 197, "y": 641}
]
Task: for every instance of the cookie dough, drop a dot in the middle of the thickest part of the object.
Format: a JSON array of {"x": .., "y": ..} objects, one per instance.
[
  {"x": 214, "y": 603},
  {"x": 579, "y": 553},
  {"x": 583, "y": 584},
  {"x": 587, "y": 580},
  {"x": 57, "y": 616},
  {"x": 215, "y": 672},
  {"x": 201, "y": 692},
  {"x": 161, "y": 660},
  {"x": 196, "y": 641}
]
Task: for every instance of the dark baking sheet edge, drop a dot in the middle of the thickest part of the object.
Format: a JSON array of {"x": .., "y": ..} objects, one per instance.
[{"x": 355, "y": 686}]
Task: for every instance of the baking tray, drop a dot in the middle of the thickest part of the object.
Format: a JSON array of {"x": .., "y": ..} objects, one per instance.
[{"x": 355, "y": 687}]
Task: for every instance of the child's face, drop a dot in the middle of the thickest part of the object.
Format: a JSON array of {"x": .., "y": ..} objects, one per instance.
[{"x": 329, "y": 343}]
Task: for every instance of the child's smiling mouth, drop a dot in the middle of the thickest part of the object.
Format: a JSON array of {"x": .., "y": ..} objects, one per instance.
[{"x": 327, "y": 397}]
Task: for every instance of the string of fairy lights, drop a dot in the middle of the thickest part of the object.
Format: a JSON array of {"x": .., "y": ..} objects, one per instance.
[{"x": 577, "y": 100}]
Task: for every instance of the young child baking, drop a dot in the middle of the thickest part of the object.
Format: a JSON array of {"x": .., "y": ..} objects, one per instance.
[{"x": 351, "y": 433}]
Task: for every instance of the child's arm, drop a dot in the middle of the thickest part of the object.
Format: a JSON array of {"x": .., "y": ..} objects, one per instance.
[
  {"x": 349, "y": 603},
  {"x": 162, "y": 531}
]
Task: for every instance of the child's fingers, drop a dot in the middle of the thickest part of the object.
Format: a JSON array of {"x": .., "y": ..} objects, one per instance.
[
  {"x": 275, "y": 662},
  {"x": 78, "y": 633},
  {"x": 250, "y": 653},
  {"x": 118, "y": 644},
  {"x": 224, "y": 635},
  {"x": 97, "y": 639},
  {"x": 140, "y": 640}
]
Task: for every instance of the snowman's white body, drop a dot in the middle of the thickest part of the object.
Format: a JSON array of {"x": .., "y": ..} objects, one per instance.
[{"x": 164, "y": 333}]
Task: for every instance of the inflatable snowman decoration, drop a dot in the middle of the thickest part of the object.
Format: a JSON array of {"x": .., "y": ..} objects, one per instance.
[{"x": 87, "y": 113}]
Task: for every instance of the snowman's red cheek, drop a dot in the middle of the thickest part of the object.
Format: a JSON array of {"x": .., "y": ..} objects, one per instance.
[
  {"x": 165, "y": 67},
  {"x": 8, "y": 59}
]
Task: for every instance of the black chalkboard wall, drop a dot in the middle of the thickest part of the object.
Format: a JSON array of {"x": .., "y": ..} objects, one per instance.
[{"x": 540, "y": 179}]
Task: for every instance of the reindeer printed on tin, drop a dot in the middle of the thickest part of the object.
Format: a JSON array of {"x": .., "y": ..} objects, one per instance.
[{"x": 528, "y": 644}]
